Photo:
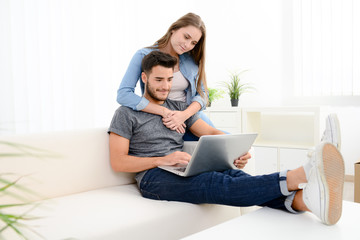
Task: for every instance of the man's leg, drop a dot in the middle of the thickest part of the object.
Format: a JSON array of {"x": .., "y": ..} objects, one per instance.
[
  {"x": 322, "y": 182},
  {"x": 231, "y": 187},
  {"x": 298, "y": 202}
]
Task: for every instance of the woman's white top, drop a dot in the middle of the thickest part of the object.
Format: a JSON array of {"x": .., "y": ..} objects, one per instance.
[{"x": 179, "y": 84}]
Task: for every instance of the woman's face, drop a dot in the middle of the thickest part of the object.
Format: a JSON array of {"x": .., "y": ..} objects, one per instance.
[{"x": 184, "y": 39}]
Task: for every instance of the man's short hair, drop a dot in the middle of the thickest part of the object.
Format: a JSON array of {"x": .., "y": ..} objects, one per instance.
[{"x": 156, "y": 58}]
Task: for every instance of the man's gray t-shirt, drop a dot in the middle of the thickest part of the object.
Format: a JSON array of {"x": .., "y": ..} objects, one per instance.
[{"x": 148, "y": 136}]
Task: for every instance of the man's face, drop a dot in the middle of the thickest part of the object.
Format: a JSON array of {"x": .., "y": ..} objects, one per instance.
[{"x": 158, "y": 83}]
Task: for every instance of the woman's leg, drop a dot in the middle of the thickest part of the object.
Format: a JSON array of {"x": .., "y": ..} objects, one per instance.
[{"x": 188, "y": 136}]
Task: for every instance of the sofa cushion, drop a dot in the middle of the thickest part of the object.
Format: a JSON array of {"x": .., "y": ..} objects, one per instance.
[{"x": 122, "y": 213}]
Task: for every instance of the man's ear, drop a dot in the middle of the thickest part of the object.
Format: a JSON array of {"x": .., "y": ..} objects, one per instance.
[{"x": 144, "y": 77}]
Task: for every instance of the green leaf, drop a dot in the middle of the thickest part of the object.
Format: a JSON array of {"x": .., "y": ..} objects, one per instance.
[
  {"x": 235, "y": 88},
  {"x": 12, "y": 221},
  {"x": 5, "y": 190},
  {"x": 16, "y": 150},
  {"x": 215, "y": 94}
]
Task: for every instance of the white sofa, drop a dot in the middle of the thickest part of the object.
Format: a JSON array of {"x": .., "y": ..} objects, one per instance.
[{"x": 81, "y": 197}]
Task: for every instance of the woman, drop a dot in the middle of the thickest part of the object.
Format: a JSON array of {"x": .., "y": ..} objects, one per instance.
[{"x": 185, "y": 40}]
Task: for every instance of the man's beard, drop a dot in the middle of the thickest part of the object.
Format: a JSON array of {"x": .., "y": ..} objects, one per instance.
[{"x": 152, "y": 93}]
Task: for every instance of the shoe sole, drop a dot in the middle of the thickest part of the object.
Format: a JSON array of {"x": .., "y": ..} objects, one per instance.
[
  {"x": 335, "y": 125},
  {"x": 332, "y": 174}
]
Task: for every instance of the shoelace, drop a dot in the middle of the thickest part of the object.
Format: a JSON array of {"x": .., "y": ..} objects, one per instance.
[{"x": 327, "y": 133}]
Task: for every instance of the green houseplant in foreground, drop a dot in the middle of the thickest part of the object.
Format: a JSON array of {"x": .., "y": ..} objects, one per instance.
[
  {"x": 12, "y": 189},
  {"x": 235, "y": 88},
  {"x": 214, "y": 94},
  {"x": 10, "y": 220}
]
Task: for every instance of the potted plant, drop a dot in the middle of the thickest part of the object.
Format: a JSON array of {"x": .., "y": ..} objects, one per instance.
[
  {"x": 214, "y": 94},
  {"x": 235, "y": 88}
]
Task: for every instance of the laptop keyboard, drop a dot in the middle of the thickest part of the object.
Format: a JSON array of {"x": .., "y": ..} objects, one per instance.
[{"x": 181, "y": 169}]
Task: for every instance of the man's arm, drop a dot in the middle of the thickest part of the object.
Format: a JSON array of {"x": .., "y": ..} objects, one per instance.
[
  {"x": 122, "y": 162},
  {"x": 200, "y": 128}
]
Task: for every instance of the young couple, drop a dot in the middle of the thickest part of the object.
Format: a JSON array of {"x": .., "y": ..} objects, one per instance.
[{"x": 140, "y": 141}]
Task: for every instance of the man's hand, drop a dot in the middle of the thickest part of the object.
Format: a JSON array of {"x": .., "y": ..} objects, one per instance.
[
  {"x": 175, "y": 158},
  {"x": 175, "y": 121},
  {"x": 242, "y": 160}
]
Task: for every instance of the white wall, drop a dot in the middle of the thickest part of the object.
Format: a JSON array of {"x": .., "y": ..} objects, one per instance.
[{"x": 247, "y": 35}]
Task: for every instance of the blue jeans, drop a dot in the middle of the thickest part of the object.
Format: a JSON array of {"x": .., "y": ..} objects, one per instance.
[
  {"x": 188, "y": 136},
  {"x": 230, "y": 187}
]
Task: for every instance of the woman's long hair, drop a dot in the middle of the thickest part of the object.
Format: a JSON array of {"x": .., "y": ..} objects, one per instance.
[{"x": 198, "y": 52}]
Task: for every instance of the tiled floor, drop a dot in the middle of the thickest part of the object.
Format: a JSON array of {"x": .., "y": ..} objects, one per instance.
[{"x": 349, "y": 191}]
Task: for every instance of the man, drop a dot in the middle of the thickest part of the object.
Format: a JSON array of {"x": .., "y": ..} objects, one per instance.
[{"x": 139, "y": 142}]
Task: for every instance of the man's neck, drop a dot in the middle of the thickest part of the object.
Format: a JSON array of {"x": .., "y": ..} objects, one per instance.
[{"x": 153, "y": 100}]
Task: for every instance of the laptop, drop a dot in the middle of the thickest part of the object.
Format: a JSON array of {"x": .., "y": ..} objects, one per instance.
[{"x": 215, "y": 153}]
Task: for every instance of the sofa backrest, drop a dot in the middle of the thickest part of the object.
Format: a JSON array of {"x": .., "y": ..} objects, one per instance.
[{"x": 60, "y": 163}]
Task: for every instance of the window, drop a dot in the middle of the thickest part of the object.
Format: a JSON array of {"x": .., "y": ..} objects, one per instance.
[{"x": 325, "y": 48}]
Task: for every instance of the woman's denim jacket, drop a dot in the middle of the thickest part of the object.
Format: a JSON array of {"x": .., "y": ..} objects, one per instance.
[{"x": 126, "y": 95}]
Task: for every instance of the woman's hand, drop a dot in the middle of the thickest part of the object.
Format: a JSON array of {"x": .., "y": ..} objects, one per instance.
[
  {"x": 242, "y": 160},
  {"x": 175, "y": 121},
  {"x": 166, "y": 112}
]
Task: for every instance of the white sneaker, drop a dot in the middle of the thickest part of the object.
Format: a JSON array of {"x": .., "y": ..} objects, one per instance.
[
  {"x": 323, "y": 193},
  {"x": 332, "y": 132}
]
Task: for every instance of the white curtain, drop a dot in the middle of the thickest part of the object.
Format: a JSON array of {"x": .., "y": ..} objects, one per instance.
[
  {"x": 326, "y": 48},
  {"x": 60, "y": 63}
]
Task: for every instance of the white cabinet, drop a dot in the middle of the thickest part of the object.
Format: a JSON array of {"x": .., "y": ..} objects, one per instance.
[
  {"x": 291, "y": 158},
  {"x": 266, "y": 160},
  {"x": 273, "y": 159},
  {"x": 298, "y": 127},
  {"x": 226, "y": 119},
  {"x": 284, "y": 135}
]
